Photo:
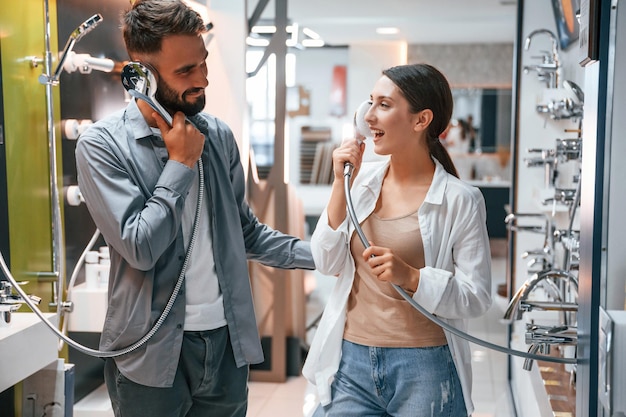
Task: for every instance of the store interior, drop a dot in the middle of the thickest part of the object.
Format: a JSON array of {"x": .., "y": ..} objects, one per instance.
[{"x": 536, "y": 127}]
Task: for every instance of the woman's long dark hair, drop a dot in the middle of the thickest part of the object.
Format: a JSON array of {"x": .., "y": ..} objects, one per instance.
[{"x": 425, "y": 87}]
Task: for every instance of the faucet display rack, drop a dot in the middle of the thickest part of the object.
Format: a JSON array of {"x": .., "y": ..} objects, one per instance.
[{"x": 543, "y": 225}]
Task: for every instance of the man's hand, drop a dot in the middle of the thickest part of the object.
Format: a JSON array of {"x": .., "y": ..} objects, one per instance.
[{"x": 183, "y": 141}]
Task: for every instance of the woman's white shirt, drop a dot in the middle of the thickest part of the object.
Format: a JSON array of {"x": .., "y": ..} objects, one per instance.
[{"x": 455, "y": 284}]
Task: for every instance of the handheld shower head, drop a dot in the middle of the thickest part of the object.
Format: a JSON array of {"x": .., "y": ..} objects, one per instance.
[
  {"x": 140, "y": 82},
  {"x": 361, "y": 131},
  {"x": 360, "y": 125},
  {"x": 78, "y": 33},
  {"x": 86, "y": 27}
]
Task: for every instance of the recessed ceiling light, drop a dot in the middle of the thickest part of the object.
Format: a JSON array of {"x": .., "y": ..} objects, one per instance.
[
  {"x": 257, "y": 41},
  {"x": 387, "y": 30},
  {"x": 311, "y": 34},
  {"x": 263, "y": 29},
  {"x": 312, "y": 43}
]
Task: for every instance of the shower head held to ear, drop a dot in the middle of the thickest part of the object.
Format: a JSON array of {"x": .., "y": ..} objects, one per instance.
[
  {"x": 140, "y": 82},
  {"x": 361, "y": 130},
  {"x": 360, "y": 125},
  {"x": 140, "y": 78}
]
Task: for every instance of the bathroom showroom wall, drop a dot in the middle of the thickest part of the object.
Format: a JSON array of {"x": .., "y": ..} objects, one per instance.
[{"x": 537, "y": 131}]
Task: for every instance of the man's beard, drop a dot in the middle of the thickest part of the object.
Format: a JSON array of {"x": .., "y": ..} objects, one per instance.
[{"x": 168, "y": 98}]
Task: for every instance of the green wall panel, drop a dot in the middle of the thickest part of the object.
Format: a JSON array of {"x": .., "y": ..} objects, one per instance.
[{"x": 22, "y": 33}]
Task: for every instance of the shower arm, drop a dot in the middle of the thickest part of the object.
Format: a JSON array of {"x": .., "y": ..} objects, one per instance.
[{"x": 78, "y": 33}]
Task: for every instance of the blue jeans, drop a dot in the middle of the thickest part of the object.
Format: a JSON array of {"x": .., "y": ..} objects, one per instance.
[
  {"x": 399, "y": 382},
  {"x": 207, "y": 383}
]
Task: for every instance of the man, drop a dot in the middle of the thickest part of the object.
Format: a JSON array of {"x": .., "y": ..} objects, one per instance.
[{"x": 140, "y": 179}]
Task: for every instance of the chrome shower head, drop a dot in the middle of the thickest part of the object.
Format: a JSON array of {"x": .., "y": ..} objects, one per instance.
[
  {"x": 140, "y": 81},
  {"x": 140, "y": 78},
  {"x": 86, "y": 27}
]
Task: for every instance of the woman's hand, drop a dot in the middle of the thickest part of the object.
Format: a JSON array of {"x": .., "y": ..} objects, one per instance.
[
  {"x": 350, "y": 151},
  {"x": 386, "y": 266}
]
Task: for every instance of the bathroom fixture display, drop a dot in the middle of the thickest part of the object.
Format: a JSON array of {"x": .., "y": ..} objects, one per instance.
[
  {"x": 565, "y": 108},
  {"x": 541, "y": 338},
  {"x": 548, "y": 160},
  {"x": 575, "y": 89},
  {"x": 10, "y": 302},
  {"x": 85, "y": 63},
  {"x": 517, "y": 306},
  {"x": 549, "y": 70},
  {"x": 561, "y": 195},
  {"x": 50, "y": 79},
  {"x": 570, "y": 241},
  {"x": 73, "y": 196},
  {"x": 87, "y": 26},
  {"x": 71, "y": 129},
  {"x": 58, "y": 255},
  {"x": 569, "y": 149},
  {"x": 545, "y": 228},
  {"x": 540, "y": 259},
  {"x": 561, "y": 109}
]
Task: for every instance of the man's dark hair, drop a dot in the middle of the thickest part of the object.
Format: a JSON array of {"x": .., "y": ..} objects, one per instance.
[{"x": 149, "y": 21}]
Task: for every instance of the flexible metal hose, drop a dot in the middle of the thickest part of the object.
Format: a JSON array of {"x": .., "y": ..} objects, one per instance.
[
  {"x": 347, "y": 176},
  {"x": 164, "y": 313},
  {"x": 70, "y": 284}
]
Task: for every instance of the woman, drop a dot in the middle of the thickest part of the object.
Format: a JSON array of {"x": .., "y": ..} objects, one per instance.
[{"x": 373, "y": 353}]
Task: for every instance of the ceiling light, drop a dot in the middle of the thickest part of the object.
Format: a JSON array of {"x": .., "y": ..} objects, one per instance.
[
  {"x": 311, "y": 34},
  {"x": 387, "y": 30},
  {"x": 257, "y": 42},
  {"x": 312, "y": 43},
  {"x": 264, "y": 29}
]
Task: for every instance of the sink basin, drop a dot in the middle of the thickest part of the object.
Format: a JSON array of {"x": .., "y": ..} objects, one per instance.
[{"x": 26, "y": 346}]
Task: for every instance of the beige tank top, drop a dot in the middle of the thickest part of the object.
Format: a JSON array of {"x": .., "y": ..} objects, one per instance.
[{"x": 377, "y": 315}]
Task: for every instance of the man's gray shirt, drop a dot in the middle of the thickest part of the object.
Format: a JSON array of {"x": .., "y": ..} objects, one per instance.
[{"x": 135, "y": 196}]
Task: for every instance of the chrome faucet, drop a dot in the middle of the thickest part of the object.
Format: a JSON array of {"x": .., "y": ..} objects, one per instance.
[
  {"x": 10, "y": 302},
  {"x": 512, "y": 221},
  {"x": 541, "y": 338},
  {"x": 548, "y": 160},
  {"x": 516, "y": 307},
  {"x": 549, "y": 70},
  {"x": 545, "y": 255},
  {"x": 542, "y": 348}
]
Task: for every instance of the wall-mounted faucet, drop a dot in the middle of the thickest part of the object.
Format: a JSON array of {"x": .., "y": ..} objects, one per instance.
[
  {"x": 516, "y": 309},
  {"x": 549, "y": 70},
  {"x": 545, "y": 255},
  {"x": 565, "y": 108},
  {"x": 548, "y": 160},
  {"x": 540, "y": 338},
  {"x": 10, "y": 302}
]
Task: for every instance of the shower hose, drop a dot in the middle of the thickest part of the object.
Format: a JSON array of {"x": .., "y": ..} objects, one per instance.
[
  {"x": 168, "y": 307},
  {"x": 353, "y": 218},
  {"x": 166, "y": 310}
]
